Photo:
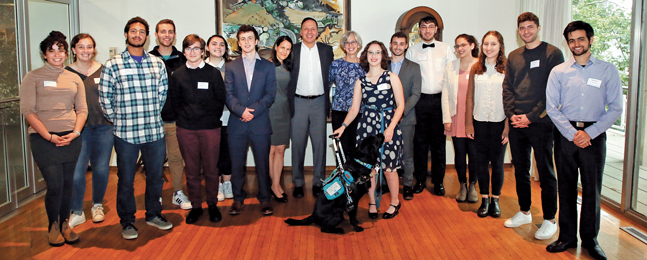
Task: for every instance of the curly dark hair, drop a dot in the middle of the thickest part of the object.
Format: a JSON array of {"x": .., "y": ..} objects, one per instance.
[
  {"x": 135, "y": 20},
  {"x": 363, "y": 60},
  {"x": 500, "y": 59},
  {"x": 287, "y": 63},
  {"x": 471, "y": 40},
  {"x": 54, "y": 38},
  {"x": 224, "y": 56},
  {"x": 80, "y": 37}
]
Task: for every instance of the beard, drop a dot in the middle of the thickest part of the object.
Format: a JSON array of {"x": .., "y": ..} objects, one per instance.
[
  {"x": 584, "y": 50},
  {"x": 135, "y": 45}
]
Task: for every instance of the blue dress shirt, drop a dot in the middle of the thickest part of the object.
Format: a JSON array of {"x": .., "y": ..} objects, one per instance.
[{"x": 576, "y": 93}]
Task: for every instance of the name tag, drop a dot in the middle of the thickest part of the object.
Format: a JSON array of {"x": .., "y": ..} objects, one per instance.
[
  {"x": 383, "y": 86},
  {"x": 534, "y": 64},
  {"x": 481, "y": 77},
  {"x": 422, "y": 57},
  {"x": 467, "y": 75},
  {"x": 96, "y": 80},
  {"x": 51, "y": 84},
  {"x": 203, "y": 85},
  {"x": 594, "y": 82},
  {"x": 127, "y": 71}
]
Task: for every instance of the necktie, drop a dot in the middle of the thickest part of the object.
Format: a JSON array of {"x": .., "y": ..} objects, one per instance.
[{"x": 432, "y": 45}]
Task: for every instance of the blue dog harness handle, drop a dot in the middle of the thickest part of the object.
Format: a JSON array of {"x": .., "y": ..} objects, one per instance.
[{"x": 381, "y": 111}]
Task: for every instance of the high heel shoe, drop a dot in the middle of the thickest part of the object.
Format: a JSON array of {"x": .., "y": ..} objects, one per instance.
[
  {"x": 391, "y": 215},
  {"x": 281, "y": 199},
  {"x": 371, "y": 214},
  {"x": 495, "y": 210},
  {"x": 484, "y": 209}
]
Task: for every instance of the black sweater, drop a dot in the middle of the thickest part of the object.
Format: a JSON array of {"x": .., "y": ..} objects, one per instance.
[
  {"x": 174, "y": 62},
  {"x": 524, "y": 88},
  {"x": 197, "y": 96}
]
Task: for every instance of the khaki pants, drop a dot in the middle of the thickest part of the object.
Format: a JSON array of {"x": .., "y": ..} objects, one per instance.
[{"x": 175, "y": 162}]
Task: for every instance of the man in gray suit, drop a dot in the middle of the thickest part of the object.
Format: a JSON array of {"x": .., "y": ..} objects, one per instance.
[{"x": 409, "y": 73}]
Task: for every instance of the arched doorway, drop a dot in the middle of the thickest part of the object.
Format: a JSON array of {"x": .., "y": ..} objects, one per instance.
[{"x": 408, "y": 23}]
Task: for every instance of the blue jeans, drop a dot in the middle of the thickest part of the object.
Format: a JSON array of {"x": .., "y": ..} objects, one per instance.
[
  {"x": 153, "y": 155},
  {"x": 96, "y": 148}
]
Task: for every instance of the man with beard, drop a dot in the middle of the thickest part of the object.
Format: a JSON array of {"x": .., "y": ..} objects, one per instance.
[
  {"x": 524, "y": 103},
  {"x": 433, "y": 56},
  {"x": 409, "y": 73},
  {"x": 578, "y": 93},
  {"x": 173, "y": 59},
  {"x": 132, "y": 92}
]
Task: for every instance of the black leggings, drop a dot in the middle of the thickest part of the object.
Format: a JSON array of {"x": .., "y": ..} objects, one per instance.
[
  {"x": 464, "y": 147},
  {"x": 487, "y": 139},
  {"x": 60, "y": 186}
]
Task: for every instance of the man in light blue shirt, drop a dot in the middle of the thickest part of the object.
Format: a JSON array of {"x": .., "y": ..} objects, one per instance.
[{"x": 577, "y": 96}]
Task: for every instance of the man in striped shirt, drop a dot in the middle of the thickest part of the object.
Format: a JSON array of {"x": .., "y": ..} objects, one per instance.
[{"x": 132, "y": 92}]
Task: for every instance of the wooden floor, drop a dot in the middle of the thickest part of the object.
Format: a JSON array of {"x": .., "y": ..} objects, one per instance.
[{"x": 428, "y": 227}]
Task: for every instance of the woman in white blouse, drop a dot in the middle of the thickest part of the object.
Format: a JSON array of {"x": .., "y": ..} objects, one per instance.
[
  {"x": 454, "y": 93},
  {"x": 486, "y": 122}
]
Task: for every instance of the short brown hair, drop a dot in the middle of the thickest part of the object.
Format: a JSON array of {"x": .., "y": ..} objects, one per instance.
[
  {"x": 191, "y": 39},
  {"x": 527, "y": 16},
  {"x": 165, "y": 21}
]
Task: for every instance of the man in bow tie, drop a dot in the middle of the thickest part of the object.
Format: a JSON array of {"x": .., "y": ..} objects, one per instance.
[{"x": 433, "y": 56}]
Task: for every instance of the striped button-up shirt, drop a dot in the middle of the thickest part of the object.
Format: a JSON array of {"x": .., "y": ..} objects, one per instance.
[{"x": 132, "y": 95}]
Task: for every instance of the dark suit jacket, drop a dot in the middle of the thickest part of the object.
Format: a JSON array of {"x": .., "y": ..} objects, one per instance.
[
  {"x": 411, "y": 88},
  {"x": 260, "y": 96},
  {"x": 325, "y": 57}
]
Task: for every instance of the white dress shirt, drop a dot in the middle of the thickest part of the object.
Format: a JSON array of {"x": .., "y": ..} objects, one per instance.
[
  {"x": 432, "y": 64},
  {"x": 488, "y": 95},
  {"x": 310, "y": 82}
]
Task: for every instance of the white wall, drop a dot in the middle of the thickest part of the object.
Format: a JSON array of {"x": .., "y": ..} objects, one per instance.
[{"x": 372, "y": 19}]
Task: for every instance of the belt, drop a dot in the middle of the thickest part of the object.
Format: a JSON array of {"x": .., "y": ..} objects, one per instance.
[
  {"x": 432, "y": 95},
  {"x": 308, "y": 97},
  {"x": 579, "y": 125}
]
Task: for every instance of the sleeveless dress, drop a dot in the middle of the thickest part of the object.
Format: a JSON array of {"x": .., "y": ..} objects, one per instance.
[{"x": 379, "y": 104}]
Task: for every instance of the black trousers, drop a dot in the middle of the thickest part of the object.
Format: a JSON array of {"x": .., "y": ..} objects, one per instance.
[
  {"x": 429, "y": 136},
  {"x": 463, "y": 148},
  {"x": 539, "y": 137},
  {"x": 590, "y": 162},
  {"x": 489, "y": 150},
  {"x": 224, "y": 158},
  {"x": 349, "y": 138}
]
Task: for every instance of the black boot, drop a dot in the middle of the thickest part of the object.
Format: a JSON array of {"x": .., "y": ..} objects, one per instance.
[
  {"x": 214, "y": 213},
  {"x": 495, "y": 210},
  {"x": 484, "y": 209},
  {"x": 194, "y": 215}
]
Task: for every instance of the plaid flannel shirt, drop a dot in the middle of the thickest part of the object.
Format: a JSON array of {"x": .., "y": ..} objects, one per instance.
[{"x": 132, "y": 95}]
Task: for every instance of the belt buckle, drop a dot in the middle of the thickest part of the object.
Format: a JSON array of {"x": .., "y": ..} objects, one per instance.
[{"x": 579, "y": 124}]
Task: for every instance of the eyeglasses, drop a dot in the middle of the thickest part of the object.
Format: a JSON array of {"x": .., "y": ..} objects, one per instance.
[
  {"x": 351, "y": 43},
  {"x": 460, "y": 46},
  {"x": 196, "y": 49}
]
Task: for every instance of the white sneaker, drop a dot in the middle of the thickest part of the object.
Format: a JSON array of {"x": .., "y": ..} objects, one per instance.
[
  {"x": 181, "y": 200},
  {"x": 76, "y": 220},
  {"x": 546, "y": 231},
  {"x": 227, "y": 190},
  {"x": 97, "y": 213},
  {"x": 221, "y": 195},
  {"x": 518, "y": 220}
]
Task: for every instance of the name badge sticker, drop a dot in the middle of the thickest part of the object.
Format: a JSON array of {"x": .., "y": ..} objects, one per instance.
[
  {"x": 534, "y": 64},
  {"x": 467, "y": 75},
  {"x": 594, "y": 82},
  {"x": 49, "y": 84},
  {"x": 481, "y": 77},
  {"x": 383, "y": 86},
  {"x": 97, "y": 80},
  {"x": 422, "y": 57},
  {"x": 203, "y": 85},
  {"x": 128, "y": 71}
]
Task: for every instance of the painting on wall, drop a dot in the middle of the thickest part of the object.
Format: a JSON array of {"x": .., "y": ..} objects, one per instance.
[{"x": 275, "y": 18}]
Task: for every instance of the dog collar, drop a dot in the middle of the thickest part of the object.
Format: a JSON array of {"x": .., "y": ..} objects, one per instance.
[{"x": 364, "y": 164}]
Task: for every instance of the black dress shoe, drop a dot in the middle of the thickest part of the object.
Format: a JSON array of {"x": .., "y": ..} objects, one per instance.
[
  {"x": 371, "y": 214},
  {"x": 439, "y": 189},
  {"x": 484, "y": 209},
  {"x": 283, "y": 199},
  {"x": 419, "y": 187},
  {"x": 266, "y": 208},
  {"x": 391, "y": 215},
  {"x": 595, "y": 251},
  {"x": 214, "y": 213},
  {"x": 407, "y": 192},
  {"x": 316, "y": 190},
  {"x": 298, "y": 192},
  {"x": 194, "y": 215},
  {"x": 495, "y": 210},
  {"x": 560, "y": 246}
]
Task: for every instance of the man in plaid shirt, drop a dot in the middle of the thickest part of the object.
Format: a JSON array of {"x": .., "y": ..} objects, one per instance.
[{"x": 132, "y": 92}]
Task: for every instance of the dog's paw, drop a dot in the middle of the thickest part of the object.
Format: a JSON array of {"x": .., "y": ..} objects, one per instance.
[{"x": 359, "y": 229}]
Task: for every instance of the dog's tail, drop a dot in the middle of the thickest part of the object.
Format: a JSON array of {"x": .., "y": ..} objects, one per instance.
[{"x": 296, "y": 222}]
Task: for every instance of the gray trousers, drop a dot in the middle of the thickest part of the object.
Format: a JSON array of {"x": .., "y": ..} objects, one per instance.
[
  {"x": 309, "y": 120},
  {"x": 408, "y": 132}
]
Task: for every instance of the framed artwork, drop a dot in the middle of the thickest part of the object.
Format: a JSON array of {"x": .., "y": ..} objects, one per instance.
[{"x": 275, "y": 18}]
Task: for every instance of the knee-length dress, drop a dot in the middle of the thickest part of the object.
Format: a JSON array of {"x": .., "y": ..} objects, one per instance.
[
  {"x": 280, "y": 109},
  {"x": 379, "y": 104}
]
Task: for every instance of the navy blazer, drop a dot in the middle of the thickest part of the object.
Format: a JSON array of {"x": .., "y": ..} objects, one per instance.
[
  {"x": 326, "y": 57},
  {"x": 260, "y": 96}
]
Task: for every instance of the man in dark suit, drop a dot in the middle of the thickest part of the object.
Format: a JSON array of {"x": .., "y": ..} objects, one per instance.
[
  {"x": 250, "y": 82},
  {"x": 308, "y": 94},
  {"x": 409, "y": 73}
]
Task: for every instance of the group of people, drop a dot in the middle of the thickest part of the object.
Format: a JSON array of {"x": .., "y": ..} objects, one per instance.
[{"x": 202, "y": 110}]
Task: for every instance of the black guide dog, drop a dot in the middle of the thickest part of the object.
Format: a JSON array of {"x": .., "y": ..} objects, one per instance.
[{"x": 330, "y": 213}]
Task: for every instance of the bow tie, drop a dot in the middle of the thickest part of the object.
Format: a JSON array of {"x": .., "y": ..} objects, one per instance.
[{"x": 432, "y": 45}]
